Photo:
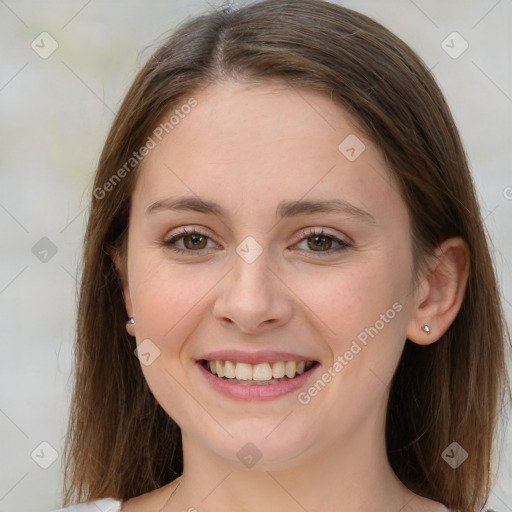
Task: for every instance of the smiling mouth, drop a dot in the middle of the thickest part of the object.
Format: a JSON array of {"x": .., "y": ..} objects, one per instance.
[{"x": 261, "y": 374}]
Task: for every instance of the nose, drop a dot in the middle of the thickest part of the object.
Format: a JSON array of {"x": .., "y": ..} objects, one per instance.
[{"x": 253, "y": 299}]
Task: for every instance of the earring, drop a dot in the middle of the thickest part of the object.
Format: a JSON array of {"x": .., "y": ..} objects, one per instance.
[
  {"x": 426, "y": 329},
  {"x": 129, "y": 326}
]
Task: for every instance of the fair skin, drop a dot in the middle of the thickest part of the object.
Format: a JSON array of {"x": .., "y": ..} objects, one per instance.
[{"x": 249, "y": 147}]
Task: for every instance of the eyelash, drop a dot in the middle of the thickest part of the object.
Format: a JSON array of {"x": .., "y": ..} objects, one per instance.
[{"x": 305, "y": 234}]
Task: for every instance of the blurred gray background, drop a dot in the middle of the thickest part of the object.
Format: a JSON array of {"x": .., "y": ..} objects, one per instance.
[{"x": 56, "y": 105}]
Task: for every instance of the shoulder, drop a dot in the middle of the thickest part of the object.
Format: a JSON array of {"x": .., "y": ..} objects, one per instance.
[
  {"x": 152, "y": 500},
  {"x": 419, "y": 503},
  {"x": 102, "y": 505}
]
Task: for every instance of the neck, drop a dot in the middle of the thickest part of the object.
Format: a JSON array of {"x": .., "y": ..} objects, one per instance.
[{"x": 352, "y": 475}]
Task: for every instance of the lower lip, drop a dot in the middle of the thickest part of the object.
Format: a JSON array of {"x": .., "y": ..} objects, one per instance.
[{"x": 255, "y": 392}]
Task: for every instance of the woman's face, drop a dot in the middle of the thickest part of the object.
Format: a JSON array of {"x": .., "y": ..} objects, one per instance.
[{"x": 277, "y": 272}]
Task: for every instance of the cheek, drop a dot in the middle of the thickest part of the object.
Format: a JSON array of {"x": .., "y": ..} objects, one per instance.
[
  {"x": 166, "y": 296},
  {"x": 345, "y": 301},
  {"x": 360, "y": 316},
  {"x": 169, "y": 304}
]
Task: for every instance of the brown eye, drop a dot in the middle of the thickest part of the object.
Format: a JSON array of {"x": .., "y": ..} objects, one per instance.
[
  {"x": 196, "y": 241},
  {"x": 320, "y": 242},
  {"x": 193, "y": 241}
]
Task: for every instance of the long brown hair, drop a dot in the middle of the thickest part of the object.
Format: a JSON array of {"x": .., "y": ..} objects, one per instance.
[{"x": 120, "y": 442}]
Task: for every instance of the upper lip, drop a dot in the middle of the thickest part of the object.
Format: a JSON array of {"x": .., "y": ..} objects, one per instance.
[{"x": 263, "y": 356}]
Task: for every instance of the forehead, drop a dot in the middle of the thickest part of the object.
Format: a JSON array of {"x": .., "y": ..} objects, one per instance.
[{"x": 257, "y": 144}]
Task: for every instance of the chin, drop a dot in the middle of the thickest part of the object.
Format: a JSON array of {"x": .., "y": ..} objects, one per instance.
[{"x": 263, "y": 444}]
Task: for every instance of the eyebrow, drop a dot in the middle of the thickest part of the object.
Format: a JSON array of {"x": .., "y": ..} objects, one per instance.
[{"x": 284, "y": 208}]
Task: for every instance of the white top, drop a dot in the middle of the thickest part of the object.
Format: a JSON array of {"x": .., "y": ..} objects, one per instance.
[{"x": 103, "y": 505}]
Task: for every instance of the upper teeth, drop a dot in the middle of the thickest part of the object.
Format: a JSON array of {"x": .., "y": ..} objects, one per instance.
[{"x": 261, "y": 371}]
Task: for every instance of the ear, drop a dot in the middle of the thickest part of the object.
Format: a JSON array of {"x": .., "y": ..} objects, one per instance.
[
  {"x": 121, "y": 271},
  {"x": 439, "y": 296}
]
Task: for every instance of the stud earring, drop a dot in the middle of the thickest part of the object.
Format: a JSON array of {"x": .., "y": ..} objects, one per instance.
[
  {"x": 426, "y": 329},
  {"x": 129, "y": 326}
]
